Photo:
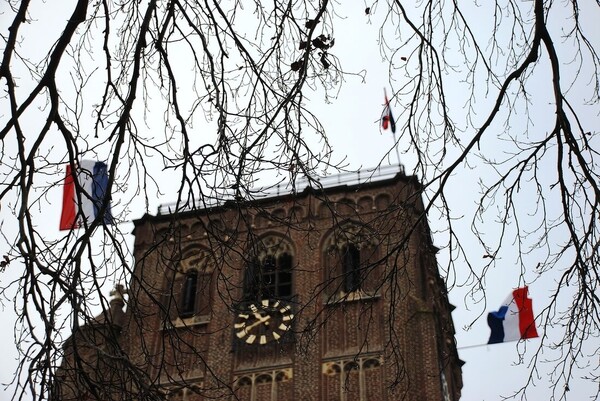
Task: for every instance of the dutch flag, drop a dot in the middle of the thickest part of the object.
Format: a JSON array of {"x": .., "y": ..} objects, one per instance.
[
  {"x": 92, "y": 177},
  {"x": 514, "y": 320},
  {"x": 387, "y": 120}
]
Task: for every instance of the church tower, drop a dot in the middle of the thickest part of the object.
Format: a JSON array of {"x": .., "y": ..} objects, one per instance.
[{"x": 327, "y": 292}]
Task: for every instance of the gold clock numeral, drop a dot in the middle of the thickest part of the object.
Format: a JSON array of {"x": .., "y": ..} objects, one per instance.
[
  {"x": 239, "y": 325},
  {"x": 243, "y": 316},
  {"x": 263, "y": 339},
  {"x": 283, "y": 327},
  {"x": 276, "y": 335},
  {"x": 286, "y": 318},
  {"x": 265, "y": 302},
  {"x": 240, "y": 334},
  {"x": 250, "y": 339}
]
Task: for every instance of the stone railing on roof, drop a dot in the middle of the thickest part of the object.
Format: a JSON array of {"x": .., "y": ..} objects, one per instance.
[{"x": 285, "y": 187}]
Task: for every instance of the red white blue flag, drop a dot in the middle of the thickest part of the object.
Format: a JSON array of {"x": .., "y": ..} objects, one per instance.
[
  {"x": 92, "y": 177},
  {"x": 387, "y": 120},
  {"x": 514, "y": 320}
]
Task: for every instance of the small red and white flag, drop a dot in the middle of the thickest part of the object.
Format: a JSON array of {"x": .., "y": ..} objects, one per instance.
[
  {"x": 514, "y": 320},
  {"x": 387, "y": 120},
  {"x": 92, "y": 177}
]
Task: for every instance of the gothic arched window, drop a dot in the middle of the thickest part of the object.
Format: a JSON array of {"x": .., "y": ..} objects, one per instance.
[
  {"x": 351, "y": 267},
  {"x": 350, "y": 257},
  {"x": 268, "y": 274},
  {"x": 188, "y": 293},
  {"x": 189, "y": 290}
]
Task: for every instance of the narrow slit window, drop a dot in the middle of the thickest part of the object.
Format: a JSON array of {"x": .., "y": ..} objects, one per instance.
[
  {"x": 188, "y": 303},
  {"x": 351, "y": 268}
]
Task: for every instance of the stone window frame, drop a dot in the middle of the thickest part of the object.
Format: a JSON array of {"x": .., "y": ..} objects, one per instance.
[
  {"x": 181, "y": 392},
  {"x": 349, "y": 236},
  {"x": 199, "y": 262},
  {"x": 277, "y": 250},
  {"x": 258, "y": 378},
  {"x": 346, "y": 366}
]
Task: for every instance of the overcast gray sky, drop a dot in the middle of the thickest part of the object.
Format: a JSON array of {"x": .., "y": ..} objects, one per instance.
[{"x": 353, "y": 128}]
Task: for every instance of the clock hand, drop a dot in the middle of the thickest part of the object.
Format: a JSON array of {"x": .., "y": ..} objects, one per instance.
[{"x": 260, "y": 320}]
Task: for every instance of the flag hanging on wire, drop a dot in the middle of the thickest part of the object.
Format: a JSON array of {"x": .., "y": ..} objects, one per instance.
[
  {"x": 514, "y": 320},
  {"x": 387, "y": 119},
  {"x": 92, "y": 177}
]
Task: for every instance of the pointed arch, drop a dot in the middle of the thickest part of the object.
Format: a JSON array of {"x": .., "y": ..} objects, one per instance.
[
  {"x": 350, "y": 253},
  {"x": 188, "y": 294},
  {"x": 269, "y": 267}
]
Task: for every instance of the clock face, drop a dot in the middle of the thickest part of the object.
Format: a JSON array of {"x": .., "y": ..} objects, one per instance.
[{"x": 263, "y": 322}]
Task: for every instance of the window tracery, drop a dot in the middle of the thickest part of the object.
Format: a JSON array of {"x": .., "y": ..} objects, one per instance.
[
  {"x": 264, "y": 386},
  {"x": 188, "y": 294},
  {"x": 350, "y": 254},
  {"x": 190, "y": 392},
  {"x": 353, "y": 378},
  {"x": 268, "y": 272}
]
